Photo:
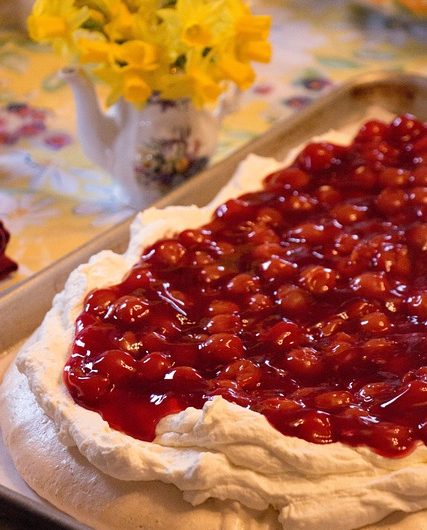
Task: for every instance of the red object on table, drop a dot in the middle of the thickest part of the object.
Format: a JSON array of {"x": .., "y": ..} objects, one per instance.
[{"x": 6, "y": 264}]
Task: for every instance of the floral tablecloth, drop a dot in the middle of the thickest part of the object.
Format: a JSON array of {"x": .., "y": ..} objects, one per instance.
[{"x": 52, "y": 199}]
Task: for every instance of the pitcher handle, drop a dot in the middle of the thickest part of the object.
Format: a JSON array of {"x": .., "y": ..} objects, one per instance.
[{"x": 229, "y": 102}]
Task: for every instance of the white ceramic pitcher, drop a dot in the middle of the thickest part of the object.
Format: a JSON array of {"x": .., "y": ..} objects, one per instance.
[{"x": 146, "y": 151}]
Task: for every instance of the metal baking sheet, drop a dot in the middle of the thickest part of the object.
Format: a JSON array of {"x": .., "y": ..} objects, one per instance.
[{"x": 22, "y": 308}]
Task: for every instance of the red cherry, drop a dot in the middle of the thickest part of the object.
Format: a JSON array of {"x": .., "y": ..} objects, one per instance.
[
  {"x": 394, "y": 177},
  {"x": 328, "y": 195},
  {"x": 364, "y": 177},
  {"x": 316, "y": 427},
  {"x": 347, "y": 214},
  {"x": 277, "y": 269},
  {"x": 97, "y": 302},
  {"x": 317, "y": 157},
  {"x": 371, "y": 284},
  {"x": 269, "y": 216},
  {"x": 391, "y": 200},
  {"x": 288, "y": 178},
  {"x": 406, "y": 128},
  {"x": 259, "y": 302},
  {"x": 419, "y": 176},
  {"x": 304, "y": 363},
  {"x": 309, "y": 232},
  {"x": 93, "y": 340},
  {"x": 153, "y": 366},
  {"x": 192, "y": 237},
  {"x": 219, "y": 307},
  {"x": 373, "y": 130},
  {"x": 278, "y": 405},
  {"x": 389, "y": 438},
  {"x": 417, "y": 304},
  {"x": 244, "y": 372},
  {"x": 333, "y": 400},
  {"x": 234, "y": 209},
  {"x": 222, "y": 348},
  {"x": 212, "y": 274},
  {"x": 223, "y": 323},
  {"x": 261, "y": 234},
  {"x": 89, "y": 387},
  {"x": 418, "y": 195},
  {"x": 299, "y": 203},
  {"x": 267, "y": 250},
  {"x": 243, "y": 284},
  {"x": 185, "y": 379},
  {"x": 118, "y": 365},
  {"x": 375, "y": 322},
  {"x": 293, "y": 300},
  {"x": 417, "y": 236},
  {"x": 285, "y": 334},
  {"x": 130, "y": 310},
  {"x": 168, "y": 252},
  {"x": 139, "y": 277},
  {"x": 317, "y": 279}
]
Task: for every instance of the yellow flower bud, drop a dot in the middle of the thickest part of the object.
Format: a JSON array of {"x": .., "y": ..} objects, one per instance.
[
  {"x": 240, "y": 73},
  {"x": 135, "y": 89},
  {"x": 138, "y": 54},
  {"x": 197, "y": 35},
  {"x": 254, "y": 27},
  {"x": 95, "y": 51},
  {"x": 255, "y": 51},
  {"x": 46, "y": 27}
]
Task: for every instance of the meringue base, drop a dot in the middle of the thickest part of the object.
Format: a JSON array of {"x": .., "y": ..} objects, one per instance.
[{"x": 66, "y": 479}]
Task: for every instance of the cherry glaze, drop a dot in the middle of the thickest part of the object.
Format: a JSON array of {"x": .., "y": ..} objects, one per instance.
[
  {"x": 6, "y": 264},
  {"x": 305, "y": 301}
]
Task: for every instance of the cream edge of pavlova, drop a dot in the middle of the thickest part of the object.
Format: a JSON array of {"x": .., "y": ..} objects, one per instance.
[{"x": 222, "y": 450}]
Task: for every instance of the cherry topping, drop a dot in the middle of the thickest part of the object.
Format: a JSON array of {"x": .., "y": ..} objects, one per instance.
[{"x": 305, "y": 301}]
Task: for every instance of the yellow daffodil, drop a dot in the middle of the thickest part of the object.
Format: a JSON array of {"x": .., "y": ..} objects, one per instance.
[
  {"x": 254, "y": 51},
  {"x": 196, "y": 83},
  {"x": 241, "y": 73},
  {"x": 193, "y": 21},
  {"x": 253, "y": 27},
  {"x": 96, "y": 51},
  {"x": 54, "y": 21},
  {"x": 120, "y": 26},
  {"x": 135, "y": 89},
  {"x": 174, "y": 48},
  {"x": 137, "y": 54}
]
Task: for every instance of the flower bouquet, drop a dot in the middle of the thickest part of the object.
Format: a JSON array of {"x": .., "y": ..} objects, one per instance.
[{"x": 172, "y": 48}]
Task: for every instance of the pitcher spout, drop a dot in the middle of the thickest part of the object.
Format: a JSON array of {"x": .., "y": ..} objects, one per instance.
[{"x": 97, "y": 132}]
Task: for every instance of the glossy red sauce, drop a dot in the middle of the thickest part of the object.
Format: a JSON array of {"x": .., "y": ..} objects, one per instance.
[
  {"x": 6, "y": 264},
  {"x": 305, "y": 301}
]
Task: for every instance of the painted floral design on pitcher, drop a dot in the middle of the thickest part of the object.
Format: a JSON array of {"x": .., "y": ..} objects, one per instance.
[{"x": 168, "y": 155}]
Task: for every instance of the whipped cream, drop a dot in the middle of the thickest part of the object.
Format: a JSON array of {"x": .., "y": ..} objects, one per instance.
[{"x": 223, "y": 450}]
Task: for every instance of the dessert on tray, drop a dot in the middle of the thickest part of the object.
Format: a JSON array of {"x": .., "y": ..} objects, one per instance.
[
  {"x": 258, "y": 362},
  {"x": 6, "y": 264}
]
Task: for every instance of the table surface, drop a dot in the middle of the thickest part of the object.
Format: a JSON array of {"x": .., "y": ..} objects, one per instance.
[{"x": 52, "y": 199}]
